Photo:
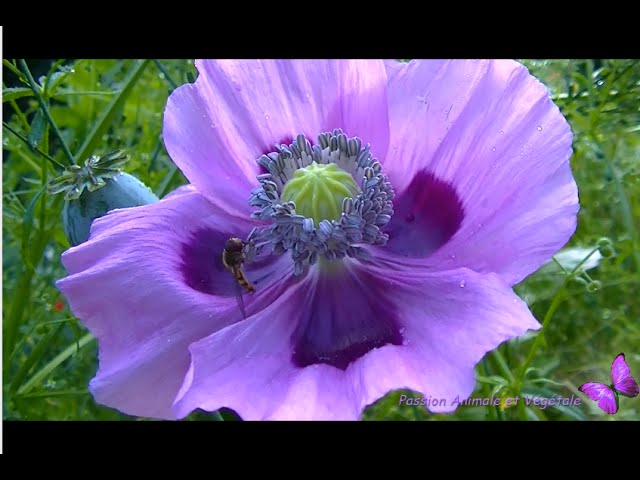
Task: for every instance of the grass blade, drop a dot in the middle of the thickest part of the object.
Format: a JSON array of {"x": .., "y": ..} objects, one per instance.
[
  {"x": 27, "y": 224},
  {"x": 14, "y": 93},
  {"x": 87, "y": 148},
  {"x": 45, "y": 110},
  {"x": 53, "y": 364},
  {"x": 36, "y": 354}
]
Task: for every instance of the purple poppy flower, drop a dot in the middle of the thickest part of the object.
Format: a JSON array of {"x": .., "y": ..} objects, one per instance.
[{"x": 390, "y": 210}]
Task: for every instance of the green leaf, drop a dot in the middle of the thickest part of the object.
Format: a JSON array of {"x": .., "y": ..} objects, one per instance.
[
  {"x": 162, "y": 189},
  {"x": 27, "y": 224},
  {"x": 572, "y": 412},
  {"x": 59, "y": 393},
  {"x": 11, "y": 66},
  {"x": 14, "y": 93},
  {"x": 56, "y": 79},
  {"x": 492, "y": 380},
  {"x": 101, "y": 127},
  {"x": 38, "y": 127},
  {"x": 55, "y": 363},
  {"x": 36, "y": 354},
  {"x": 532, "y": 414}
]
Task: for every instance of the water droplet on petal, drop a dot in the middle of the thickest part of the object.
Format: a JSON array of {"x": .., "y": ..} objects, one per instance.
[
  {"x": 462, "y": 283},
  {"x": 405, "y": 341},
  {"x": 493, "y": 149},
  {"x": 452, "y": 256},
  {"x": 501, "y": 132},
  {"x": 539, "y": 128},
  {"x": 402, "y": 330},
  {"x": 267, "y": 117}
]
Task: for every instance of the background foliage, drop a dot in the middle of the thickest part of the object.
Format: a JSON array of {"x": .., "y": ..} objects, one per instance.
[{"x": 586, "y": 297}]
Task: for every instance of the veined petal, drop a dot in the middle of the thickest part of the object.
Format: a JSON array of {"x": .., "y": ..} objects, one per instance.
[
  {"x": 237, "y": 110},
  {"x": 491, "y": 135},
  {"x": 258, "y": 351},
  {"x": 393, "y": 67},
  {"x": 148, "y": 283},
  {"x": 447, "y": 322},
  {"x": 292, "y": 357},
  {"x": 450, "y": 321}
]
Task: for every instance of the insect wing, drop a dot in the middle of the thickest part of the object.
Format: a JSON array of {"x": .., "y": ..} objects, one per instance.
[
  {"x": 240, "y": 300},
  {"x": 623, "y": 382},
  {"x": 601, "y": 393}
]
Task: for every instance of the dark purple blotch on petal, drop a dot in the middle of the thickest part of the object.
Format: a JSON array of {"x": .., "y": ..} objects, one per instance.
[
  {"x": 202, "y": 266},
  {"x": 347, "y": 316},
  {"x": 427, "y": 214}
]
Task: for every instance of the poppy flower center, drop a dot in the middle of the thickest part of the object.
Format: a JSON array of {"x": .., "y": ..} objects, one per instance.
[
  {"x": 318, "y": 191},
  {"x": 314, "y": 205}
]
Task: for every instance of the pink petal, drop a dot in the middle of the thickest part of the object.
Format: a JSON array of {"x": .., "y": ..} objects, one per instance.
[
  {"x": 491, "y": 134},
  {"x": 148, "y": 283},
  {"x": 237, "y": 110}
]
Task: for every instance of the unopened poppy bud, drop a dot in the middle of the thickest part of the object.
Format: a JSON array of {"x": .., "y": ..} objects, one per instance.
[
  {"x": 121, "y": 191},
  {"x": 605, "y": 246},
  {"x": 95, "y": 188}
]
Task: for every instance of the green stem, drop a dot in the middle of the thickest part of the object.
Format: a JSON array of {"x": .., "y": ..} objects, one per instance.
[
  {"x": 34, "y": 149},
  {"x": 12, "y": 322},
  {"x": 38, "y": 351},
  {"x": 13, "y": 68},
  {"x": 166, "y": 74},
  {"x": 19, "y": 114},
  {"x": 53, "y": 364},
  {"x": 502, "y": 365},
  {"x": 555, "y": 302},
  {"x": 163, "y": 188},
  {"x": 559, "y": 297},
  {"x": 107, "y": 117},
  {"x": 45, "y": 110},
  {"x": 624, "y": 202},
  {"x": 30, "y": 332},
  {"x": 491, "y": 412},
  {"x": 23, "y": 292},
  {"x": 53, "y": 394}
]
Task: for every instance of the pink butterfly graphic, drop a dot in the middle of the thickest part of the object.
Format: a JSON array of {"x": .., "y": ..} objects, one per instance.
[{"x": 607, "y": 395}]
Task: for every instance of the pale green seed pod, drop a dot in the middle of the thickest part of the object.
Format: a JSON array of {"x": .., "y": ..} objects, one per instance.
[{"x": 120, "y": 191}]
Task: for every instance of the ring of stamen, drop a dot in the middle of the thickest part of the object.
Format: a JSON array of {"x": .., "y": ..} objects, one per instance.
[{"x": 361, "y": 219}]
